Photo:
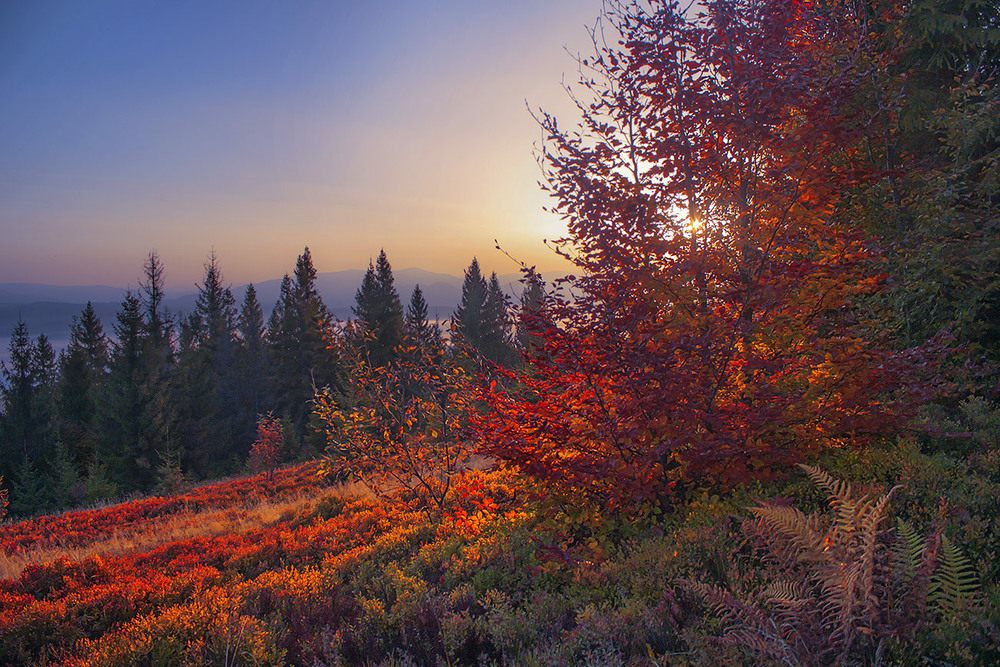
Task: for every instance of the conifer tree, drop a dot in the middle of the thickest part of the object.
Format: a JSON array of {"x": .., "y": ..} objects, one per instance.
[
  {"x": 298, "y": 356},
  {"x": 482, "y": 324},
  {"x": 64, "y": 480},
  {"x": 44, "y": 372},
  {"x": 497, "y": 345},
  {"x": 27, "y": 394},
  {"x": 420, "y": 332},
  {"x": 250, "y": 331},
  {"x": 379, "y": 313},
  {"x": 129, "y": 432},
  {"x": 206, "y": 384},
  {"x": 530, "y": 316},
  {"x": 81, "y": 369},
  {"x": 17, "y": 392},
  {"x": 27, "y": 494},
  {"x": 151, "y": 295},
  {"x": 468, "y": 319}
]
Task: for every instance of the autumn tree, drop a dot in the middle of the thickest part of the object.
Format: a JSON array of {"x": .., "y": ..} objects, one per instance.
[
  {"x": 389, "y": 436},
  {"x": 712, "y": 330},
  {"x": 265, "y": 453}
]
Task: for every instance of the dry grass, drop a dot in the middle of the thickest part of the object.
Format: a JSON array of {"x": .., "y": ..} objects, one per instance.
[{"x": 183, "y": 526}]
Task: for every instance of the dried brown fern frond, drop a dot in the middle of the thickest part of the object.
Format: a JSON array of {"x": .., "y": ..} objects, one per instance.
[
  {"x": 838, "y": 491},
  {"x": 749, "y": 627},
  {"x": 840, "y": 585},
  {"x": 803, "y": 531}
]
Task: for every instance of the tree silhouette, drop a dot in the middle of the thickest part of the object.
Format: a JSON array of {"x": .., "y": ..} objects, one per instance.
[{"x": 378, "y": 313}]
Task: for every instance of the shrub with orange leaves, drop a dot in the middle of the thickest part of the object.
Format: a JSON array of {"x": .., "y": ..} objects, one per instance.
[{"x": 405, "y": 429}]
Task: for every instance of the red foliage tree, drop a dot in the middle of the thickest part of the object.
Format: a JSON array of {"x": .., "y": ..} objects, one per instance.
[
  {"x": 265, "y": 454},
  {"x": 712, "y": 332}
]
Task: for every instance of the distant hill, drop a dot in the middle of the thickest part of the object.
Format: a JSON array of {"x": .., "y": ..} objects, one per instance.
[{"x": 48, "y": 309}]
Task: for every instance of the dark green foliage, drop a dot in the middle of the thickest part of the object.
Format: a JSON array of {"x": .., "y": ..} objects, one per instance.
[
  {"x": 159, "y": 326},
  {"x": 82, "y": 366},
  {"x": 299, "y": 360},
  {"x": 130, "y": 404},
  {"x": 250, "y": 363},
  {"x": 378, "y": 313},
  {"x": 530, "y": 315},
  {"x": 934, "y": 130},
  {"x": 169, "y": 475},
  {"x": 838, "y": 589},
  {"x": 65, "y": 489},
  {"x": 469, "y": 318},
  {"x": 205, "y": 383},
  {"x": 419, "y": 331},
  {"x": 481, "y": 322},
  {"x": 27, "y": 398},
  {"x": 498, "y": 345},
  {"x": 28, "y": 495},
  {"x": 954, "y": 582},
  {"x": 98, "y": 485}
]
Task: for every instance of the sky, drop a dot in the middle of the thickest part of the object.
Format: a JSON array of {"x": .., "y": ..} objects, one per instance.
[{"x": 257, "y": 128}]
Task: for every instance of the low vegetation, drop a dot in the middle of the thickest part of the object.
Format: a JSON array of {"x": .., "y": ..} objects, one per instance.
[{"x": 506, "y": 575}]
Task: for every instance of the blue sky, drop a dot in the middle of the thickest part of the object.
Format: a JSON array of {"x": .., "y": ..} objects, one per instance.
[{"x": 259, "y": 127}]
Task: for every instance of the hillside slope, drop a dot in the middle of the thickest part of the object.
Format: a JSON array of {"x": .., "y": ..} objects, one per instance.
[{"x": 297, "y": 572}]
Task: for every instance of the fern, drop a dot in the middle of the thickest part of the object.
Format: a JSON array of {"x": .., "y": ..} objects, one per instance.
[
  {"x": 835, "y": 589},
  {"x": 954, "y": 582},
  {"x": 908, "y": 554},
  {"x": 838, "y": 491}
]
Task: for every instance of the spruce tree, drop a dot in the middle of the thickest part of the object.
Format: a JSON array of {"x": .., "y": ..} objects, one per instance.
[
  {"x": 151, "y": 295},
  {"x": 27, "y": 394},
  {"x": 44, "y": 374},
  {"x": 128, "y": 429},
  {"x": 65, "y": 489},
  {"x": 530, "y": 316},
  {"x": 420, "y": 332},
  {"x": 27, "y": 495},
  {"x": 298, "y": 354},
  {"x": 81, "y": 370},
  {"x": 17, "y": 393},
  {"x": 496, "y": 345},
  {"x": 206, "y": 383},
  {"x": 469, "y": 319},
  {"x": 379, "y": 313},
  {"x": 250, "y": 363}
]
